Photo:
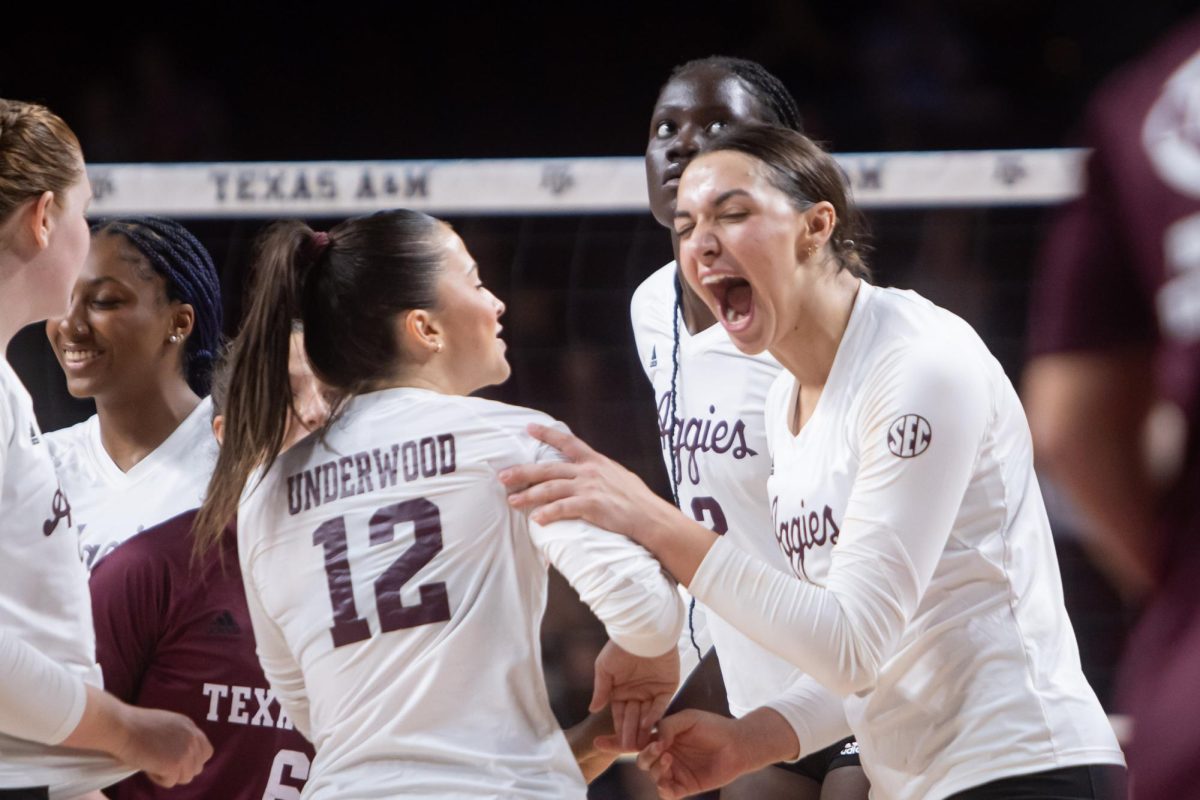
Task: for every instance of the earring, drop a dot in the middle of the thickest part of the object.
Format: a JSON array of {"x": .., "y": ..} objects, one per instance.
[
  {"x": 439, "y": 346},
  {"x": 173, "y": 338}
]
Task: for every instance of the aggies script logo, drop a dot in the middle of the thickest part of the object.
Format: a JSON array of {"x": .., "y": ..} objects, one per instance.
[
  {"x": 909, "y": 436},
  {"x": 700, "y": 436}
]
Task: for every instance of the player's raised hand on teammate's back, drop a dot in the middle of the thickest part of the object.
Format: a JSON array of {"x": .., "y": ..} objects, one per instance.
[
  {"x": 590, "y": 486},
  {"x": 638, "y": 690}
]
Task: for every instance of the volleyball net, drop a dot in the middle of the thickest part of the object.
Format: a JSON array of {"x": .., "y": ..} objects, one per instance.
[
  {"x": 548, "y": 186},
  {"x": 565, "y": 241}
]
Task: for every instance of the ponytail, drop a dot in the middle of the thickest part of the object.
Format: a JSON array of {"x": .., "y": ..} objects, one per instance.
[
  {"x": 259, "y": 396},
  {"x": 346, "y": 286}
]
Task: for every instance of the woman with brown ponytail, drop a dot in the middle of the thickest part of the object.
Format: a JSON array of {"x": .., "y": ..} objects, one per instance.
[
  {"x": 50, "y": 695},
  {"x": 396, "y": 599}
]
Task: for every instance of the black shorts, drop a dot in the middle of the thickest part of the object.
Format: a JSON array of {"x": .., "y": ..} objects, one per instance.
[
  {"x": 25, "y": 794},
  {"x": 1090, "y": 782},
  {"x": 823, "y": 762}
]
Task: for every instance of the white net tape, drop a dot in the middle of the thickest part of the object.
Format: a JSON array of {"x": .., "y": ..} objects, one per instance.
[{"x": 548, "y": 186}]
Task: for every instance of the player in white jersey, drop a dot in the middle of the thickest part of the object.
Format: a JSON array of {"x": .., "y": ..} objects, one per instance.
[
  {"x": 925, "y": 588},
  {"x": 139, "y": 337},
  {"x": 710, "y": 398},
  {"x": 50, "y": 696},
  {"x": 396, "y": 598}
]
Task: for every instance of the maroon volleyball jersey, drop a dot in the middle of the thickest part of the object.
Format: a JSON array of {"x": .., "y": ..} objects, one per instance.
[
  {"x": 1122, "y": 267},
  {"x": 173, "y": 635}
]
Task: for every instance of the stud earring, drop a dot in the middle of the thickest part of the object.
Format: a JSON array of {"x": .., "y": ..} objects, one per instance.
[
  {"x": 173, "y": 338},
  {"x": 439, "y": 347}
]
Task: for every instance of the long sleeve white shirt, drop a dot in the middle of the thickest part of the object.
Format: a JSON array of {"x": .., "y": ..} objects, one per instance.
[
  {"x": 397, "y": 600},
  {"x": 925, "y": 587}
]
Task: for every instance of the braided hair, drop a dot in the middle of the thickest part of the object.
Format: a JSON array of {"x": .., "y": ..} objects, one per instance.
[
  {"x": 174, "y": 253},
  {"x": 770, "y": 92},
  {"x": 780, "y": 109}
]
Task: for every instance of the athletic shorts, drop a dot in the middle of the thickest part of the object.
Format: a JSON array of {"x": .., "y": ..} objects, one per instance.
[
  {"x": 25, "y": 794},
  {"x": 1090, "y": 782},
  {"x": 823, "y": 762}
]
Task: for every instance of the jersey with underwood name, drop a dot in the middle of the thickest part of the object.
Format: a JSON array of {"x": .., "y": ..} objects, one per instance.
[
  {"x": 109, "y": 505},
  {"x": 397, "y": 600},
  {"x": 720, "y": 457},
  {"x": 43, "y": 591},
  {"x": 176, "y": 635},
  {"x": 913, "y": 480}
]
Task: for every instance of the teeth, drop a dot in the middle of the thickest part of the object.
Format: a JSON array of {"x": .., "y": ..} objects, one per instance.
[
  {"x": 730, "y": 314},
  {"x": 710, "y": 280},
  {"x": 76, "y": 356}
]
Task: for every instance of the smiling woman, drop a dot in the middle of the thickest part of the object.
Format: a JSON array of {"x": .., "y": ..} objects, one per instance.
[
  {"x": 50, "y": 697},
  {"x": 139, "y": 335}
]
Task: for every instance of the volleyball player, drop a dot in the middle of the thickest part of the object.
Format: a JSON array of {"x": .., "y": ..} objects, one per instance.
[
  {"x": 924, "y": 586},
  {"x": 175, "y": 633},
  {"x": 710, "y": 399},
  {"x": 396, "y": 599},
  {"x": 50, "y": 695},
  {"x": 139, "y": 337},
  {"x": 1113, "y": 332}
]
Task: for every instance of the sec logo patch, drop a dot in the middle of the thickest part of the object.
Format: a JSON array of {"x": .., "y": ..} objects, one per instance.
[{"x": 909, "y": 436}]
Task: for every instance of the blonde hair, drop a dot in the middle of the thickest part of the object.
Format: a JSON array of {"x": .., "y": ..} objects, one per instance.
[{"x": 38, "y": 153}]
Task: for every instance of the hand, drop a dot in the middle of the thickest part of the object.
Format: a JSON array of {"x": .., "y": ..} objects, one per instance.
[
  {"x": 695, "y": 751},
  {"x": 582, "y": 738},
  {"x": 589, "y": 486},
  {"x": 638, "y": 689},
  {"x": 167, "y": 746}
]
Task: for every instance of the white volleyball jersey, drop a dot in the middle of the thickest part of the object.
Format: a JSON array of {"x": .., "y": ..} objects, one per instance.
[
  {"x": 397, "y": 600},
  {"x": 44, "y": 605},
  {"x": 720, "y": 459},
  {"x": 110, "y": 506},
  {"x": 928, "y": 591}
]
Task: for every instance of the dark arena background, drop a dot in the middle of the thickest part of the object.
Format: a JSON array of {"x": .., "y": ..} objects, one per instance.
[{"x": 385, "y": 82}]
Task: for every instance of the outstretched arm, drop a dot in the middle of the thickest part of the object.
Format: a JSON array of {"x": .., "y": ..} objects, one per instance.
[{"x": 896, "y": 523}]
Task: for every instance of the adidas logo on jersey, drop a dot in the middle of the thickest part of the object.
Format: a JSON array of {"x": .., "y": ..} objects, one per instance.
[
  {"x": 224, "y": 625},
  {"x": 653, "y": 356}
]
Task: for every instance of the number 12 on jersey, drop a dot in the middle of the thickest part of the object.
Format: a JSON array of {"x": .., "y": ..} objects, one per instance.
[{"x": 348, "y": 627}]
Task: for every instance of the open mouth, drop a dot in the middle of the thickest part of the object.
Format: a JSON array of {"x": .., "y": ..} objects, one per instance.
[
  {"x": 735, "y": 299},
  {"x": 77, "y": 358}
]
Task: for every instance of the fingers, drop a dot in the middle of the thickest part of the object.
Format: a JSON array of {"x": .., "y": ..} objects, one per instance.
[
  {"x": 647, "y": 759},
  {"x": 543, "y": 494},
  {"x": 161, "y": 779},
  {"x": 522, "y": 476},
  {"x": 609, "y": 743},
  {"x": 654, "y": 710},
  {"x": 567, "y": 508},
  {"x": 601, "y": 691},
  {"x": 564, "y": 442}
]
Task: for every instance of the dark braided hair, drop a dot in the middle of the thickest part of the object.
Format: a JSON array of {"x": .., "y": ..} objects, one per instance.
[
  {"x": 780, "y": 109},
  {"x": 776, "y": 100},
  {"x": 173, "y": 252}
]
